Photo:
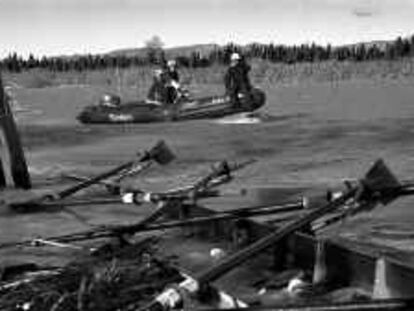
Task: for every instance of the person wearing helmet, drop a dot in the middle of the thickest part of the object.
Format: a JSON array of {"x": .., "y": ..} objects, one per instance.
[
  {"x": 171, "y": 80},
  {"x": 236, "y": 79},
  {"x": 171, "y": 72},
  {"x": 110, "y": 100},
  {"x": 157, "y": 93}
]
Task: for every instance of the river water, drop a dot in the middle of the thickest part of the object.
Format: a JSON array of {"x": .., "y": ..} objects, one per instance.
[{"x": 307, "y": 138}]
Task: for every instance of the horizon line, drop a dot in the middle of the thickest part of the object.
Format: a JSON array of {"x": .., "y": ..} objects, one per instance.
[{"x": 170, "y": 47}]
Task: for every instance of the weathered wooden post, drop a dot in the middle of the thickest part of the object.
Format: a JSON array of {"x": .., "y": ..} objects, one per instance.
[{"x": 13, "y": 169}]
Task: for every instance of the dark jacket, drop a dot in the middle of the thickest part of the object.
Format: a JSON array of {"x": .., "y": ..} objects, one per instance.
[
  {"x": 171, "y": 94},
  {"x": 169, "y": 76},
  {"x": 237, "y": 79}
]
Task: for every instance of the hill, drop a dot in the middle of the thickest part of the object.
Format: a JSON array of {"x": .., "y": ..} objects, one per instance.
[
  {"x": 380, "y": 44},
  {"x": 170, "y": 52},
  {"x": 205, "y": 49}
]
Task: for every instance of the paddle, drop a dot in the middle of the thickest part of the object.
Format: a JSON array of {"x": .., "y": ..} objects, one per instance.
[
  {"x": 160, "y": 153},
  {"x": 219, "y": 175},
  {"x": 79, "y": 202},
  {"x": 374, "y": 187},
  {"x": 113, "y": 185}
]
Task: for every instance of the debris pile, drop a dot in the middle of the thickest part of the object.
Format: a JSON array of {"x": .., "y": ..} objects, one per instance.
[{"x": 113, "y": 279}]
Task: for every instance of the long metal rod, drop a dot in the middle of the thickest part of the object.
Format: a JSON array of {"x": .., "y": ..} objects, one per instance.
[
  {"x": 201, "y": 220},
  {"x": 219, "y": 216},
  {"x": 94, "y": 180},
  {"x": 143, "y": 225},
  {"x": 99, "y": 232},
  {"x": 116, "y": 230},
  {"x": 80, "y": 202},
  {"x": 115, "y": 182}
]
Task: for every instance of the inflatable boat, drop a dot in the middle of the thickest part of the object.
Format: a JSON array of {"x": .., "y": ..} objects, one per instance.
[{"x": 110, "y": 109}]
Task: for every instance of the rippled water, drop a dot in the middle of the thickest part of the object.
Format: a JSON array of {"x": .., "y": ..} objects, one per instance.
[{"x": 306, "y": 137}]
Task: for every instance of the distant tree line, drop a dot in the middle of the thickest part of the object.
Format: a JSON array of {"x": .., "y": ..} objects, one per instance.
[{"x": 220, "y": 55}]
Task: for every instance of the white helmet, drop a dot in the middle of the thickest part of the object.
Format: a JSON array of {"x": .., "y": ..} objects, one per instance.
[
  {"x": 235, "y": 56},
  {"x": 171, "y": 63},
  {"x": 106, "y": 98}
]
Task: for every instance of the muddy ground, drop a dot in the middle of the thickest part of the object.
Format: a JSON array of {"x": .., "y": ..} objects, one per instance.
[{"x": 310, "y": 137}]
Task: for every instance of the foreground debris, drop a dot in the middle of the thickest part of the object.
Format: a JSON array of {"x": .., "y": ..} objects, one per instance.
[
  {"x": 202, "y": 188},
  {"x": 378, "y": 186},
  {"x": 112, "y": 279},
  {"x": 209, "y": 245}
]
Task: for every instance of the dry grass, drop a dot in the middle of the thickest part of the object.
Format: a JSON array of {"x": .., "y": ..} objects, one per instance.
[{"x": 139, "y": 79}]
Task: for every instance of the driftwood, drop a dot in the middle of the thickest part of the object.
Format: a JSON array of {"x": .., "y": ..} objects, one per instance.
[{"x": 111, "y": 280}]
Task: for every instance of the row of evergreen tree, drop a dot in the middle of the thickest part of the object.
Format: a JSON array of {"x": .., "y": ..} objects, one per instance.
[{"x": 220, "y": 55}]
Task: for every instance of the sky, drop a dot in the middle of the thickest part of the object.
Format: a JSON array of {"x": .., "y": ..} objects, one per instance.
[{"x": 56, "y": 27}]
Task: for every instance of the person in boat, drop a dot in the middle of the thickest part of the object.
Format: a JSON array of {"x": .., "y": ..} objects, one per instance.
[
  {"x": 236, "y": 79},
  {"x": 171, "y": 80},
  {"x": 157, "y": 91},
  {"x": 171, "y": 73}
]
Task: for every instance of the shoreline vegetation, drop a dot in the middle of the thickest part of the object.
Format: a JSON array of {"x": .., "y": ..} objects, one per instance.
[
  {"x": 137, "y": 79},
  {"x": 205, "y": 64}
]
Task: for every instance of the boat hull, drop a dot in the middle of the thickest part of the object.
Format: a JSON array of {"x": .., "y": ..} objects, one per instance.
[{"x": 143, "y": 112}]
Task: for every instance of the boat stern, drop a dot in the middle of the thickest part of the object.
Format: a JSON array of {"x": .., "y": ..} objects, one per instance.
[
  {"x": 84, "y": 116},
  {"x": 258, "y": 99}
]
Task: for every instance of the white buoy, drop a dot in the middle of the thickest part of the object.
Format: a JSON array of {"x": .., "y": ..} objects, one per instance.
[
  {"x": 128, "y": 198},
  {"x": 217, "y": 253}
]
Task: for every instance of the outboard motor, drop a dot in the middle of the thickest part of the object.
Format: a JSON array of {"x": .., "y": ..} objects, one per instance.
[
  {"x": 85, "y": 115},
  {"x": 257, "y": 99}
]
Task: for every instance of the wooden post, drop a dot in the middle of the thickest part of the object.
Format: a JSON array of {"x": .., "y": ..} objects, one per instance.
[{"x": 12, "y": 155}]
